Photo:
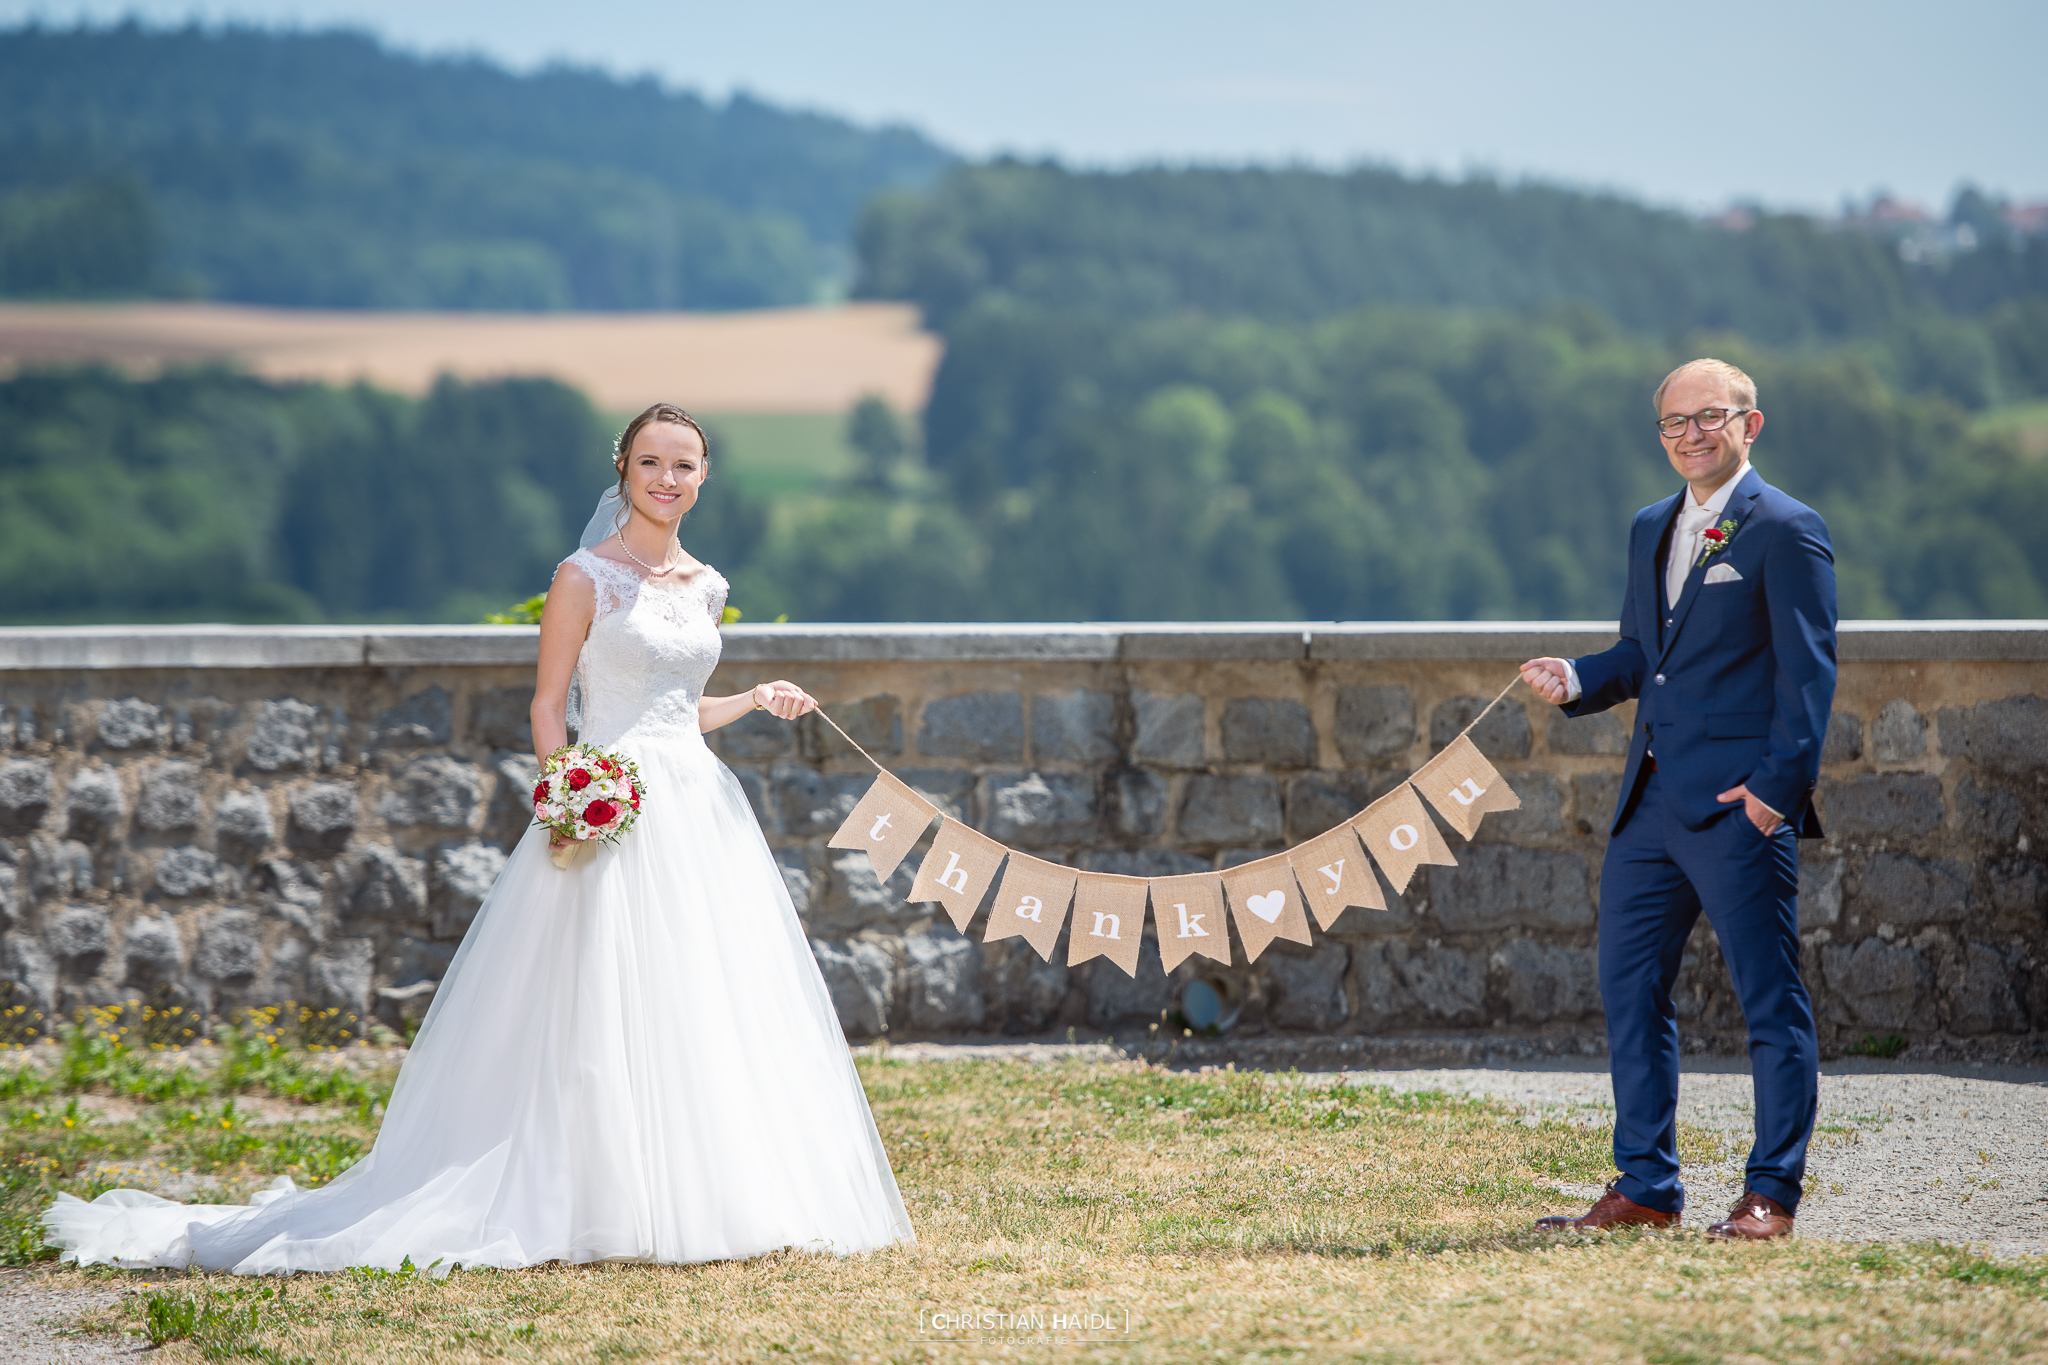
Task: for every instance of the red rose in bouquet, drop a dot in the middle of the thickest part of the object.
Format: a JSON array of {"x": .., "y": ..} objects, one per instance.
[{"x": 585, "y": 795}]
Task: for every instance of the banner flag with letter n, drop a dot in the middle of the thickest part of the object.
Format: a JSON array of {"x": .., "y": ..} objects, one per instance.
[
  {"x": 1031, "y": 903},
  {"x": 1464, "y": 786},
  {"x": 1188, "y": 912},
  {"x": 886, "y": 822},
  {"x": 1335, "y": 875},
  {"x": 1266, "y": 905},
  {"x": 1401, "y": 837},
  {"x": 957, "y": 871},
  {"x": 1109, "y": 920}
]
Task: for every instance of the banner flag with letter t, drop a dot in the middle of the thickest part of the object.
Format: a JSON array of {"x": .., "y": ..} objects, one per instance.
[{"x": 886, "y": 822}]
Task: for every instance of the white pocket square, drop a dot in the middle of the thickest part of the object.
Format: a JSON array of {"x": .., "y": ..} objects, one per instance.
[{"x": 1722, "y": 573}]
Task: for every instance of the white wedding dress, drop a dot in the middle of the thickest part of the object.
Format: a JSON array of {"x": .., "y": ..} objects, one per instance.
[{"x": 635, "y": 1059}]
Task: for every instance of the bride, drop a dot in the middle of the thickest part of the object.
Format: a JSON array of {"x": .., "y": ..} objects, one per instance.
[{"x": 633, "y": 1059}]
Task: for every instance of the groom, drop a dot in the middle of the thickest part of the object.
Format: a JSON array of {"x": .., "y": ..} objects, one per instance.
[{"x": 1728, "y": 648}]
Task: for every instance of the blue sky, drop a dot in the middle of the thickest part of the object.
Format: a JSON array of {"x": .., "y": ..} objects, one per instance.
[{"x": 1797, "y": 104}]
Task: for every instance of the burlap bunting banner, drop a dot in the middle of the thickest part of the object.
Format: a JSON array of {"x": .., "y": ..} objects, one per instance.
[
  {"x": 1188, "y": 913},
  {"x": 1265, "y": 904},
  {"x": 1032, "y": 903},
  {"x": 1109, "y": 920},
  {"x": 1334, "y": 872},
  {"x": 886, "y": 822},
  {"x": 1401, "y": 837},
  {"x": 957, "y": 871},
  {"x": 1464, "y": 786}
]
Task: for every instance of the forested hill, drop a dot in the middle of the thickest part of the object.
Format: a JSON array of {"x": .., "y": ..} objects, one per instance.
[
  {"x": 325, "y": 169},
  {"x": 1297, "y": 244}
]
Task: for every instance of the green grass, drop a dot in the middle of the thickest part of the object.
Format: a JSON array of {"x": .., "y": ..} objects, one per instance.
[{"x": 775, "y": 456}]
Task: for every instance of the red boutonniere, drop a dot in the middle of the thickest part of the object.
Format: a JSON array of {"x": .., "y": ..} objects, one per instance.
[{"x": 1715, "y": 539}]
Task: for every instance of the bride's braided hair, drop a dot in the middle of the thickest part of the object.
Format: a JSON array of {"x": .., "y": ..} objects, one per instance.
[{"x": 660, "y": 412}]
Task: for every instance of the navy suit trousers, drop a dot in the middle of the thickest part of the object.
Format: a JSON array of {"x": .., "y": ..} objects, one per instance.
[{"x": 1656, "y": 878}]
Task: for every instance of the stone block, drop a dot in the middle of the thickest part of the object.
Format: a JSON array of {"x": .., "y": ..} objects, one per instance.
[
  {"x": 1382, "y": 999},
  {"x": 1873, "y": 983},
  {"x": 1495, "y": 887},
  {"x": 152, "y": 953},
  {"x": 800, "y": 878},
  {"x": 384, "y": 884},
  {"x": 1820, "y": 892},
  {"x": 1984, "y": 1000},
  {"x": 94, "y": 804},
  {"x": 323, "y": 816},
  {"x": 1118, "y": 1000},
  {"x": 1230, "y": 810},
  {"x": 1891, "y": 888},
  {"x": 2008, "y": 736},
  {"x": 11, "y": 899},
  {"x": 25, "y": 786},
  {"x": 942, "y": 982},
  {"x": 242, "y": 818},
  {"x": 755, "y": 736},
  {"x": 230, "y": 945},
  {"x": 1374, "y": 724},
  {"x": 413, "y": 961},
  {"x": 981, "y": 727},
  {"x": 812, "y": 803},
  {"x": 1844, "y": 740},
  {"x": 874, "y": 723},
  {"x": 172, "y": 798},
  {"x": 341, "y": 977},
  {"x": 950, "y": 789},
  {"x": 1881, "y": 806},
  {"x": 1899, "y": 734},
  {"x": 502, "y": 718},
  {"x": 1275, "y": 731},
  {"x": 1169, "y": 729},
  {"x": 1540, "y": 817},
  {"x": 511, "y": 810},
  {"x": 460, "y": 877},
  {"x": 1542, "y": 982},
  {"x": 1021, "y": 987},
  {"x": 294, "y": 892},
  {"x": 1319, "y": 802},
  {"x": 854, "y": 900},
  {"x": 286, "y": 735},
  {"x": 59, "y": 867},
  {"x": 1444, "y": 982},
  {"x": 1041, "y": 810},
  {"x": 79, "y": 937},
  {"x": 1594, "y": 799},
  {"x": 754, "y": 785},
  {"x": 1143, "y": 862},
  {"x": 1073, "y": 727},
  {"x": 188, "y": 871},
  {"x": 1586, "y": 736},
  {"x": 1503, "y": 734},
  {"x": 425, "y": 720},
  {"x": 1138, "y": 810},
  {"x": 130, "y": 723},
  {"x": 861, "y": 977},
  {"x": 437, "y": 790},
  {"x": 26, "y": 963},
  {"x": 1987, "y": 812},
  {"x": 2019, "y": 886},
  {"x": 1305, "y": 986}
]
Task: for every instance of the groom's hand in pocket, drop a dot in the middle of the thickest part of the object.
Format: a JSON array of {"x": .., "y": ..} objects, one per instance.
[{"x": 1763, "y": 817}]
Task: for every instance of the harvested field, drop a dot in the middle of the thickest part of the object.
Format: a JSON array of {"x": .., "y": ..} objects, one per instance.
[{"x": 818, "y": 360}]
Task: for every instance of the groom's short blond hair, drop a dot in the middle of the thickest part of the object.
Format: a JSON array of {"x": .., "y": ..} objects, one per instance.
[{"x": 1741, "y": 387}]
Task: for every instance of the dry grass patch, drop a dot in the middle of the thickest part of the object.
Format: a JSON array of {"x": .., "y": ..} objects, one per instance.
[{"x": 1195, "y": 1217}]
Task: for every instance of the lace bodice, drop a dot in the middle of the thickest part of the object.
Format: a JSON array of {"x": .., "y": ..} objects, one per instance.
[{"x": 650, "y": 650}]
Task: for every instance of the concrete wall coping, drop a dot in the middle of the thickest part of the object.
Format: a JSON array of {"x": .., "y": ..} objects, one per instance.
[{"x": 44, "y": 648}]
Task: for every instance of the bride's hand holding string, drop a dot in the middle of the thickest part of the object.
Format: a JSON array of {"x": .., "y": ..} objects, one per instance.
[{"x": 784, "y": 699}]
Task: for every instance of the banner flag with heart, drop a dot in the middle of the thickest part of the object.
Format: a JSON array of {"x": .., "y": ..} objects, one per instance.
[
  {"x": 1266, "y": 904},
  {"x": 1109, "y": 920},
  {"x": 956, "y": 872},
  {"x": 1401, "y": 837},
  {"x": 1335, "y": 875},
  {"x": 1189, "y": 915},
  {"x": 1463, "y": 786},
  {"x": 1031, "y": 903},
  {"x": 886, "y": 822}
]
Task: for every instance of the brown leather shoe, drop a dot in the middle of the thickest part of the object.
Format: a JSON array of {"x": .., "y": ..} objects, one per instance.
[
  {"x": 1755, "y": 1218},
  {"x": 1614, "y": 1210}
]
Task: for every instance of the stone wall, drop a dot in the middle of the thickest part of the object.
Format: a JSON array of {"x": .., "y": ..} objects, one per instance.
[{"x": 235, "y": 817}]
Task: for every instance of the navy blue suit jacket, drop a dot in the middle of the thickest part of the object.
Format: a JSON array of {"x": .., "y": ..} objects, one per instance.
[{"x": 1735, "y": 686}]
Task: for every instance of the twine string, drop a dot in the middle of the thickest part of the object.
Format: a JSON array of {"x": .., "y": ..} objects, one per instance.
[
  {"x": 1482, "y": 712},
  {"x": 820, "y": 712}
]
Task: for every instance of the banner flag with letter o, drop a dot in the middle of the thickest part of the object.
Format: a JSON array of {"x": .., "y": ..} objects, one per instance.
[{"x": 1401, "y": 837}]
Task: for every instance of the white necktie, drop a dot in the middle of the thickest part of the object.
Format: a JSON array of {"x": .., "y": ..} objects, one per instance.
[{"x": 1685, "y": 548}]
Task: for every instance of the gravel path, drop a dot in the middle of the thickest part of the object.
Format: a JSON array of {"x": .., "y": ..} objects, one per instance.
[{"x": 39, "y": 1307}]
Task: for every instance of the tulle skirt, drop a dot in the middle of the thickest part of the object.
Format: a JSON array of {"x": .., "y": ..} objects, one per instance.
[{"x": 635, "y": 1059}]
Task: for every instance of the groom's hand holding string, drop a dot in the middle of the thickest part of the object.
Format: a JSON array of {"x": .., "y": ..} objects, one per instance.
[{"x": 1546, "y": 678}]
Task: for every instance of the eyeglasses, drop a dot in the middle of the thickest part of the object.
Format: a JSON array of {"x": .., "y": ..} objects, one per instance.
[{"x": 1709, "y": 419}]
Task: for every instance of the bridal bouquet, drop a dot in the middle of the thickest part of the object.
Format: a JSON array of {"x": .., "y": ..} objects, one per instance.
[{"x": 586, "y": 794}]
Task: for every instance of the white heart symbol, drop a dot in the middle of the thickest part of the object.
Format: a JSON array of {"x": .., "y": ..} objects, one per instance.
[{"x": 1268, "y": 906}]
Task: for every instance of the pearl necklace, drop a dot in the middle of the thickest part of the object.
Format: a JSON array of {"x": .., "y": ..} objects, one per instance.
[{"x": 654, "y": 572}]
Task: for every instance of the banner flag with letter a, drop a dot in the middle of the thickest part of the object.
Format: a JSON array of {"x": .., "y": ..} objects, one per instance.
[
  {"x": 1335, "y": 875},
  {"x": 886, "y": 822},
  {"x": 1463, "y": 786},
  {"x": 1188, "y": 913},
  {"x": 1109, "y": 920},
  {"x": 1031, "y": 903},
  {"x": 1265, "y": 904},
  {"x": 1401, "y": 837},
  {"x": 957, "y": 871}
]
